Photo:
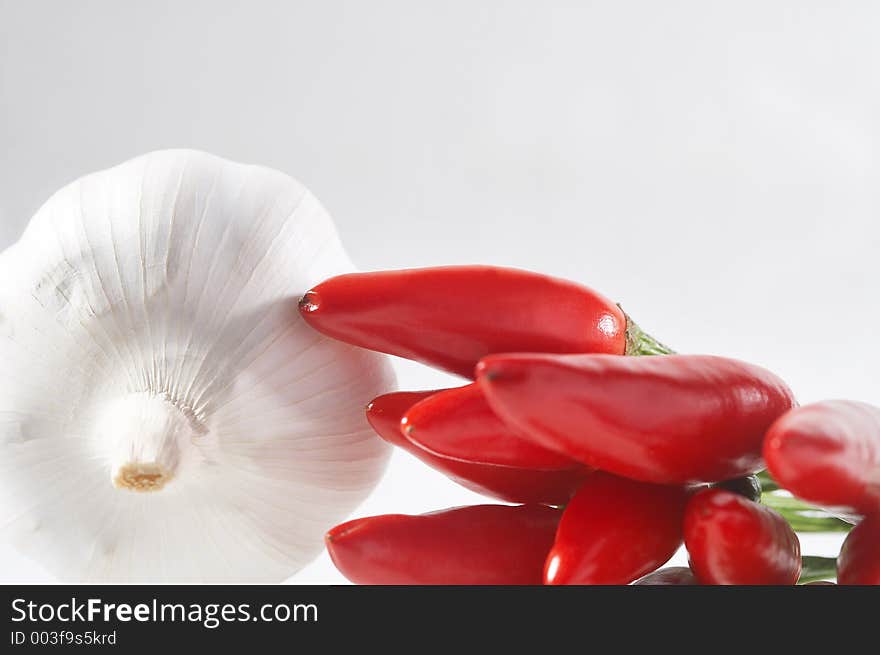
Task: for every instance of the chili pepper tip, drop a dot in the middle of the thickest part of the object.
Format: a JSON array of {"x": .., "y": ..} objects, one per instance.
[
  {"x": 309, "y": 302},
  {"x": 501, "y": 368},
  {"x": 485, "y": 371},
  {"x": 333, "y": 535}
]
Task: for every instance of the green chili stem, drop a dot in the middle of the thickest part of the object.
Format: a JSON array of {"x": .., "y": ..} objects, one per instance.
[
  {"x": 817, "y": 568},
  {"x": 639, "y": 342},
  {"x": 767, "y": 483},
  {"x": 803, "y": 517}
]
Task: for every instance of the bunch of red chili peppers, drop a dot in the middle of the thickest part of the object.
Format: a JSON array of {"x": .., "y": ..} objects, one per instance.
[{"x": 612, "y": 458}]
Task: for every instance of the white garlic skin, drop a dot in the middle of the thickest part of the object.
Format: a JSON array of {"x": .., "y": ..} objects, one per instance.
[{"x": 165, "y": 413}]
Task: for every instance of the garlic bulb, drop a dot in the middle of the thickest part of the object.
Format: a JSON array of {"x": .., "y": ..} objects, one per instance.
[{"x": 165, "y": 414}]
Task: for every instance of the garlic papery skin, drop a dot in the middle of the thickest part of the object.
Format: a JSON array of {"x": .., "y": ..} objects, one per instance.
[{"x": 165, "y": 413}]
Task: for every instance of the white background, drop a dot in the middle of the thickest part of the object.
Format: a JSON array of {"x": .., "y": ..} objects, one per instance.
[{"x": 713, "y": 166}]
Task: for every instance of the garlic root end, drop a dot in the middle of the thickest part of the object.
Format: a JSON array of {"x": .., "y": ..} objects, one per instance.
[
  {"x": 148, "y": 438},
  {"x": 141, "y": 477}
]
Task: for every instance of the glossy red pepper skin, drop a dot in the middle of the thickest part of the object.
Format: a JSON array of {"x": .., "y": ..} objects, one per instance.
[
  {"x": 674, "y": 575},
  {"x": 614, "y": 531},
  {"x": 509, "y": 483},
  {"x": 828, "y": 453},
  {"x": 459, "y": 424},
  {"x": 734, "y": 541},
  {"x": 859, "y": 560},
  {"x": 450, "y": 317},
  {"x": 675, "y": 419},
  {"x": 478, "y": 545}
]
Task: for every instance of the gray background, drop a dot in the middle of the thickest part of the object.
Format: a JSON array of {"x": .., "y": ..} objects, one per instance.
[{"x": 712, "y": 166}]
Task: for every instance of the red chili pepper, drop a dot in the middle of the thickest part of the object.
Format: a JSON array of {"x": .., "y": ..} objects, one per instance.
[
  {"x": 459, "y": 424},
  {"x": 734, "y": 541},
  {"x": 614, "y": 531},
  {"x": 510, "y": 483},
  {"x": 674, "y": 575},
  {"x": 673, "y": 420},
  {"x": 450, "y": 317},
  {"x": 859, "y": 560},
  {"x": 828, "y": 453},
  {"x": 478, "y": 545}
]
